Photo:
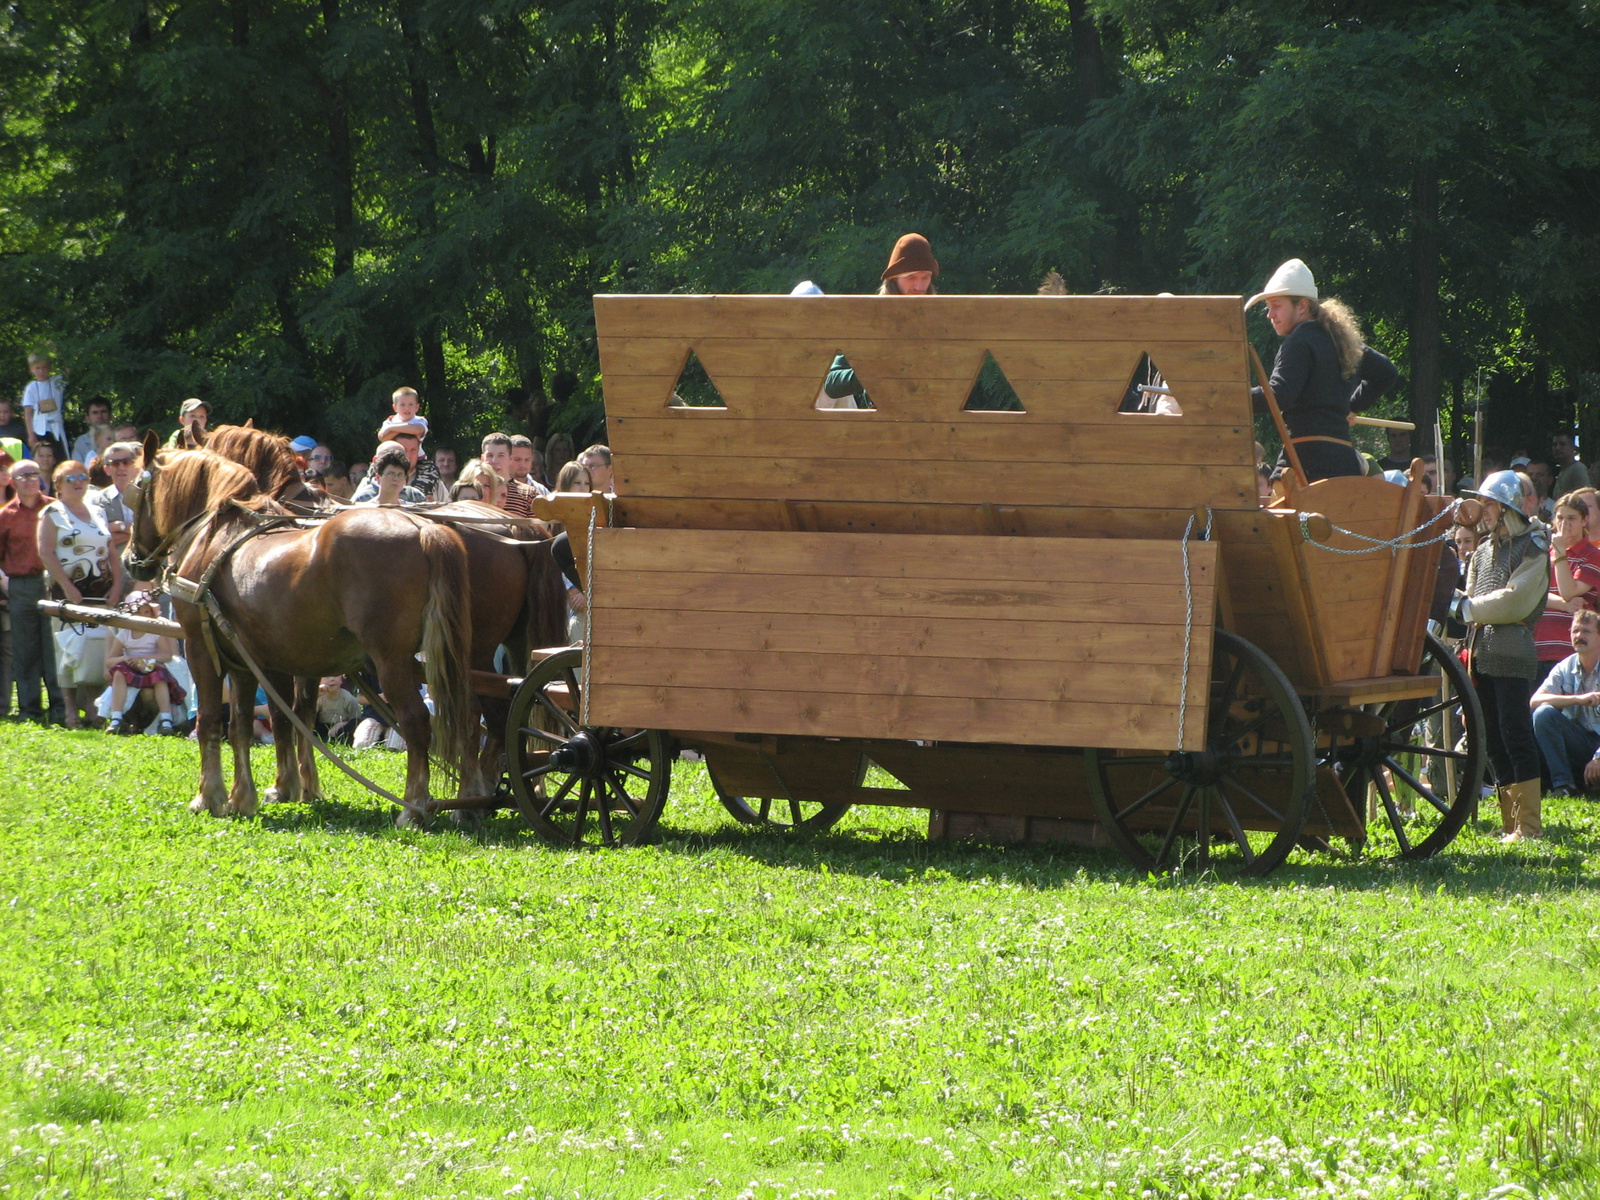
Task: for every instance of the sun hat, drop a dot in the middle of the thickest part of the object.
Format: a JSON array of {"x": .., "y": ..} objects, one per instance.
[
  {"x": 303, "y": 444},
  {"x": 395, "y": 426},
  {"x": 191, "y": 404},
  {"x": 1294, "y": 278},
  {"x": 1521, "y": 460},
  {"x": 805, "y": 288},
  {"x": 911, "y": 253}
]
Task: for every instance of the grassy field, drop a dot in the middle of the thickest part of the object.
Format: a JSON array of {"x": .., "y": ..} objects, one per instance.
[{"x": 313, "y": 1004}]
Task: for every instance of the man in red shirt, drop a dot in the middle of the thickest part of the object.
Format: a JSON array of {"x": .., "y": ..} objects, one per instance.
[{"x": 32, "y": 651}]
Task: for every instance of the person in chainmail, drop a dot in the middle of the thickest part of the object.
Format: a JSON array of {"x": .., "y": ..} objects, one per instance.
[{"x": 1507, "y": 582}]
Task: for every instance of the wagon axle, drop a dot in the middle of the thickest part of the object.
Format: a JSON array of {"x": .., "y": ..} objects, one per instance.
[
  {"x": 1200, "y": 767},
  {"x": 581, "y": 754}
]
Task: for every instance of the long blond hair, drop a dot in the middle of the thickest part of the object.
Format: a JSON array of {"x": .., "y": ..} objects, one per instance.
[{"x": 1344, "y": 327}]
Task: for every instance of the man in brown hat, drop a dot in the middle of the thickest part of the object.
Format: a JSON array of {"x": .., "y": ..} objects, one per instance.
[{"x": 910, "y": 272}]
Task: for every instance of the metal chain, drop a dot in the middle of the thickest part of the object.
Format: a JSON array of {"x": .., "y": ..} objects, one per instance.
[
  {"x": 588, "y": 616},
  {"x": 1398, "y": 542},
  {"x": 1188, "y": 617}
]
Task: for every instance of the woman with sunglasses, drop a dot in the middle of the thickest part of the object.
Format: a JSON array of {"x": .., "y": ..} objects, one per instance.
[{"x": 75, "y": 549}]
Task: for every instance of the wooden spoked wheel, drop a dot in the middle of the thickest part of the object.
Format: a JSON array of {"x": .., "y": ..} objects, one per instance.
[
  {"x": 779, "y": 816},
  {"x": 1423, "y": 785},
  {"x": 1238, "y": 805},
  {"x": 581, "y": 785}
]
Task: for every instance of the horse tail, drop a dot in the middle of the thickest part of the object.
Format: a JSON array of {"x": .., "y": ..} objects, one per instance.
[
  {"x": 545, "y": 613},
  {"x": 447, "y": 645}
]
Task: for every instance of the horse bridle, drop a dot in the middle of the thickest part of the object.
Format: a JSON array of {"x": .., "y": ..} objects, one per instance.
[{"x": 142, "y": 487}]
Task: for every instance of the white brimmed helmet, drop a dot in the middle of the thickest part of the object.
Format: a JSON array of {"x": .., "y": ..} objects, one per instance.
[{"x": 1503, "y": 487}]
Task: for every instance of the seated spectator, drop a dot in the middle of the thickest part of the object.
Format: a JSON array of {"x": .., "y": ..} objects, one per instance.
[
  {"x": 261, "y": 723},
  {"x": 47, "y": 453},
  {"x": 122, "y": 465},
  {"x": 391, "y": 469},
  {"x": 558, "y": 451},
  {"x": 10, "y": 427},
  {"x": 479, "y": 482},
  {"x": 598, "y": 459},
  {"x": 336, "y": 481},
  {"x": 337, "y": 711},
  {"x": 518, "y": 497},
  {"x": 137, "y": 663},
  {"x": 193, "y": 414},
  {"x": 574, "y": 477},
  {"x": 446, "y": 462},
  {"x": 408, "y": 434},
  {"x": 1566, "y": 712},
  {"x": 524, "y": 464},
  {"x": 98, "y": 414}
]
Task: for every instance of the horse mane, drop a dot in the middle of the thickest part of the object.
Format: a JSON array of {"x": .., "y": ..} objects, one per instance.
[
  {"x": 194, "y": 481},
  {"x": 268, "y": 456}
]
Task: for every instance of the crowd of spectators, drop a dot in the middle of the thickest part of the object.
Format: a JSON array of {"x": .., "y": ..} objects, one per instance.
[{"x": 64, "y": 521}]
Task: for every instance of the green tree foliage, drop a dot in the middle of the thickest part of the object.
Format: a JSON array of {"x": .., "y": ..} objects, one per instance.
[{"x": 290, "y": 208}]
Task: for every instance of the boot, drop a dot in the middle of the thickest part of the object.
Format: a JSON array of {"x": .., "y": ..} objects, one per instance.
[
  {"x": 1508, "y": 813},
  {"x": 1526, "y": 803}
]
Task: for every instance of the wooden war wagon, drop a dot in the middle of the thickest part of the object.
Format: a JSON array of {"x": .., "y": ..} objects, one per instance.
[{"x": 1053, "y": 618}]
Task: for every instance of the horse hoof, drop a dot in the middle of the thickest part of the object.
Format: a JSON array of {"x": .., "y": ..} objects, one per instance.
[
  {"x": 199, "y": 805},
  {"x": 410, "y": 818},
  {"x": 466, "y": 819}
]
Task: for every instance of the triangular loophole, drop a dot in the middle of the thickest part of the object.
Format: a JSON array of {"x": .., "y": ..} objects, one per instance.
[
  {"x": 842, "y": 388},
  {"x": 991, "y": 390},
  {"x": 694, "y": 388},
  {"x": 874, "y": 776},
  {"x": 1147, "y": 391}
]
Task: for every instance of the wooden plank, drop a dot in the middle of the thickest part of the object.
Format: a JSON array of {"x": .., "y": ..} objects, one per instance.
[
  {"x": 933, "y": 441},
  {"x": 1016, "y": 722},
  {"x": 1107, "y": 522},
  {"x": 1379, "y": 691},
  {"x": 1079, "y": 318},
  {"x": 900, "y": 556},
  {"x": 1075, "y": 402},
  {"x": 1302, "y": 626},
  {"x": 1016, "y": 678},
  {"x": 1047, "y": 641},
  {"x": 834, "y": 479},
  {"x": 913, "y": 599},
  {"x": 880, "y": 360}
]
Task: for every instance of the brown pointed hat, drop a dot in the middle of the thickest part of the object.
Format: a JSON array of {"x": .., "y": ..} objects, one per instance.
[{"x": 911, "y": 253}]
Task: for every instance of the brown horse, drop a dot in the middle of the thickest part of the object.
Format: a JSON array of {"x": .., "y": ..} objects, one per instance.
[
  {"x": 309, "y": 602},
  {"x": 518, "y": 599},
  {"x": 269, "y": 457}
]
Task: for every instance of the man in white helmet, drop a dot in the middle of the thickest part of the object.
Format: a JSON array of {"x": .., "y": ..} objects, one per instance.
[
  {"x": 1508, "y": 580},
  {"x": 1323, "y": 371}
]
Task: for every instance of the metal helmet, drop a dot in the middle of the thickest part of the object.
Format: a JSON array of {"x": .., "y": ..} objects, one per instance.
[{"x": 1503, "y": 487}]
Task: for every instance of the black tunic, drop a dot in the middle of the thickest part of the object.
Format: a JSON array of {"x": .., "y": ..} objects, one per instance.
[{"x": 1313, "y": 397}]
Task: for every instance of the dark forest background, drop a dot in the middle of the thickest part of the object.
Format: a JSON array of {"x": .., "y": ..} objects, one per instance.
[{"x": 289, "y": 207}]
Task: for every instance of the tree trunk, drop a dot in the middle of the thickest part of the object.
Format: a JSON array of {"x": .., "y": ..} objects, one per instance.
[
  {"x": 1425, "y": 333},
  {"x": 1087, "y": 68},
  {"x": 421, "y": 102},
  {"x": 431, "y": 350}
]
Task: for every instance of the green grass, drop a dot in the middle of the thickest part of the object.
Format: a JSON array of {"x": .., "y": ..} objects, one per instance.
[{"x": 313, "y": 1004}]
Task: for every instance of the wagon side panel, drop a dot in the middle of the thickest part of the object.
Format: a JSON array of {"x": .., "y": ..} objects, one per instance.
[{"x": 1025, "y": 641}]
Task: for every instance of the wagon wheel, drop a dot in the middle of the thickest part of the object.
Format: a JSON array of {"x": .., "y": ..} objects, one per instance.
[
  {"x": 581, "y": 785},
  {"x": 783, "y": 816},
  {"x": 1418, "y": 748},
  {"x": 1237, "y": 805}
]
